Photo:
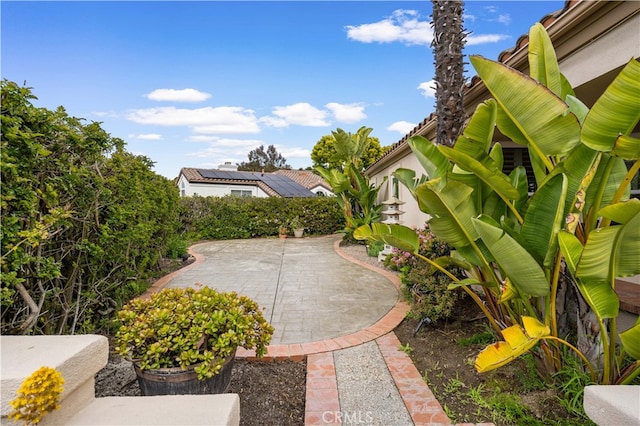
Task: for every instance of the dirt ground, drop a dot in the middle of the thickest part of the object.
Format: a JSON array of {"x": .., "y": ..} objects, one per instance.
[
  {"x": 271, "y": 393},
  {"x": 448, "y": 370}
]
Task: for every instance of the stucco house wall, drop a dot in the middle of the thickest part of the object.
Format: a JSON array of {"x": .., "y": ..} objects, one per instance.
[{"x": 188, "y": 189}]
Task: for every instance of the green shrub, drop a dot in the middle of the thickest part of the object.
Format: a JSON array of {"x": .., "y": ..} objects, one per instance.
[
  {"x": 223, "y": 218},
  {"x": 425, "y": 288},
  {"x": 428, "y": 292}
]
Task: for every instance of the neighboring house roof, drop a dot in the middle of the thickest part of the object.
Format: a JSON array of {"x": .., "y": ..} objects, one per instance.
[
  {"x": 306, "y": 178},
  {"x": 571, "y": 28},
  {"x": 272, "y": 184}
]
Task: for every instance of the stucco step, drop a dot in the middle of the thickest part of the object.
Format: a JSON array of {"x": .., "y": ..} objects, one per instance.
[
  {"x": 222, "y": 409},
  {"x": 612, "y": 405},
  {"x": 78, "y": 358}
]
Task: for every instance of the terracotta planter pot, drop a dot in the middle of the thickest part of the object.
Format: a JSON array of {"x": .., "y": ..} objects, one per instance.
[{"x": 176, "y": 381}]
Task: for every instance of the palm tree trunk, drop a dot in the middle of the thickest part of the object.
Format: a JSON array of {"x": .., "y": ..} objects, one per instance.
[{"x": 448, "y": 41}]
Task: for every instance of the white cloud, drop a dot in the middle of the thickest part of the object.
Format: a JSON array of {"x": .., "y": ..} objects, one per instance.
[
  {"x": 473, "y": 40},
  {"x": 147, "y": 137},
  {"x": 294, "y": 152},
  {"x": 301, "y": 114},
  {"x": 202, "y": 120},
  {"x": 468, "y": 18},
  {"x": 178, "y": 95},
  {"x": 504, "y": 19},
  {"x": 402, "y": 127},
  {"x": 203, "y": 138},
  {"x": 111, "y": 114},
  {"x": 274, "y": 121},
  {"x": 402, "y": 26},
  {"x": 347, "y": 113},
  {"x": 227, "y": 149},
  {"x": 428, "y": 89}
]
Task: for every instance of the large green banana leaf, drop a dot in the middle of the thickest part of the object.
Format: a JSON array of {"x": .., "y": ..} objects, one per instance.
[
  {"x": 430, "y": 158},
  {"x": 520, "y": 181},
  {"x": 577, "y": 107},
  {"x": 614, "y": 175},
  {"x": 613, "y": 251},
  {"x": 627, "y": 147},
  {"x": 599, "y": 295},
  {"x": 478, "y": 134},
  {"x": 627, "y": 251},
  {"x": 451, "y": 209},
  {"x": 544, "y": 219},
  {"x": 543, "y": 119},
  {"x": 543, "y": 64},
  {"x": 616, "y": 112},
  {"x": 338, "y": 181},
  {"x": 520, "y": 266},
  {"x": 395, "y": 235},
  {"x": 631, "y": 341},
  {"x": 575, "y": 167},
  {"x": 485, "y": 169},
  {"x": 408, "y": 178}
]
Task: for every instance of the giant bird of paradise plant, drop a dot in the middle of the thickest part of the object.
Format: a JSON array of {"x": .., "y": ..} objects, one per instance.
[
  {"x": 355, "y": 195},
  {"x": 517, "y": 247}
]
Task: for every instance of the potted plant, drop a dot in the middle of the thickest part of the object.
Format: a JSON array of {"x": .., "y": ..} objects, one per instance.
[
  {"x": 283, "y": 231},
  {"x": 298, "y": 228},
  {"x": 183, "y": 341}
]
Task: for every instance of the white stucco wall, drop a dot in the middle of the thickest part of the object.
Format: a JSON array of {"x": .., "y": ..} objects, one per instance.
[
  {"x": 606, "y": 53},
  {"x": 215, "y": 190},
  {"x": 322, "y": 189},
  {"x": 412, "y": 217}
]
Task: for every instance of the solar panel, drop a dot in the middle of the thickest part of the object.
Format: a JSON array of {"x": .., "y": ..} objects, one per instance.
[
  {"x": 283, "y": 185},
  {"x": 229, "y": 175}
]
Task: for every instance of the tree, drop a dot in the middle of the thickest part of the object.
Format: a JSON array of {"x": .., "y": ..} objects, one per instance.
[
  {"x": 324, "y": 152},
  {"x": 261, "y": 160},
  {"x": 355, "y": 195},
  {"x": 448, "y": 41}
]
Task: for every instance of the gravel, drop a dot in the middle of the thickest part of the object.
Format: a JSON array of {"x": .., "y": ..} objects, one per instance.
[{"x": 367, "y": 391}]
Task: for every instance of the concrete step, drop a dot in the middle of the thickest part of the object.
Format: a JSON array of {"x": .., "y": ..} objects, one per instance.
[
  {"x": 613, "y": 405},
  {"x": 78, "y": 358},
  {"x": 222, "y": 409}
]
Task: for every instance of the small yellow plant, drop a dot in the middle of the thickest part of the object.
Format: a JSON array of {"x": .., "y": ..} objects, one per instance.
[{"x": 38, "y": 395}]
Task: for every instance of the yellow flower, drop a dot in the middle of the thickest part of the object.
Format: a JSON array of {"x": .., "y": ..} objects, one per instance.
[{"x": 38, "y": 395}]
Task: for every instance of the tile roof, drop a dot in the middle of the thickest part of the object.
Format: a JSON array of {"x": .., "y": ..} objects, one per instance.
[{"x": 265, "y": 183}]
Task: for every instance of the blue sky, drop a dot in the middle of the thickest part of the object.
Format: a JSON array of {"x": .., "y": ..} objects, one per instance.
[{"x": 195, "y": 84}]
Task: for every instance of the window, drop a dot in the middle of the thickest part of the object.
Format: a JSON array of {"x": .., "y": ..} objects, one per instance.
[
  {"x": 394, "y": 187},
  {"x": 241, "y": 192}
]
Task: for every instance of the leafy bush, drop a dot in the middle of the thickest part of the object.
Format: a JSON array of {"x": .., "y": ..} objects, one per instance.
[
  {"x": 84, "y": 222},
  {"x": 428, "y": 292},
  {"x": 221, "y": 218},
  {"x": 426, "y": 288}
]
